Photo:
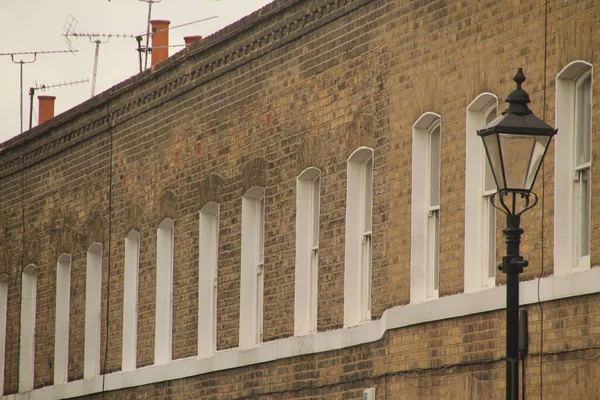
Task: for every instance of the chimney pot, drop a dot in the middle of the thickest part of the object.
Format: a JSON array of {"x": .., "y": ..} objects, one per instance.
[
  {"x": 160, "y": 40},
  {"x": 190, "y": 40},
  {"x": 46, "y": 108}
]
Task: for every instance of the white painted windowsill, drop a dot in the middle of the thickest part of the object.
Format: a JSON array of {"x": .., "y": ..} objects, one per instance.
[{"x": 551, "y": 288}]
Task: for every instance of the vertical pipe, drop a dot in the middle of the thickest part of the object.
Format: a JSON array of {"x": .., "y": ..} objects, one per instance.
[
  {"x": 31, "y": 93},
  {"x": 139, "y": 49},
  {"x": 148, "y": 34},
  {"x": 21, "y": 98},
  {"x": 95, "y": 66}
]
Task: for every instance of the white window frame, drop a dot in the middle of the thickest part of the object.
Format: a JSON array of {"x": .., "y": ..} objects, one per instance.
[
  {"x": 207, "y": 279},
  {"x": 308, "y": 189},
  {"x": 61, "y": 323},
  {"x": 424, "y": 216},
  {"x": 567, "y": 208},
  {"x": 358, "y": 246},
  {"x": 93, "y": 311},
  {"x": 130, "y": 300},
  {"x": 252, "y": 274},
  {"x": 480, "y": 214},
  {"x": 165, "y": 250},
  {"x": 3, "y": 319},
  {"x": 28, "y": 319}
]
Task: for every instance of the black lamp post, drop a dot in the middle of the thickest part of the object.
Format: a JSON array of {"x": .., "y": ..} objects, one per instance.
[{"x": 515, "y": 143}]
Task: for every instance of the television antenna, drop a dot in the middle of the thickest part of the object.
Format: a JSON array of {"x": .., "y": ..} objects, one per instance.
[
  {"x": 29, "y": 57},
  {"x": 43, "y": 87},
  {"x": 150, "y": 2},
  {"x": 94, "y": 37}
]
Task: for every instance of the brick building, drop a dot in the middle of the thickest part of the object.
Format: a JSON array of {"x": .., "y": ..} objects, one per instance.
[{"x": 262, "y": 215}]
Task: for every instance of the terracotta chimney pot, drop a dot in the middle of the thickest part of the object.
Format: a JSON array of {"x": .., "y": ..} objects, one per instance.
[
  {"x": 190, "y": 40},
  {"x": 160, "y": 40},
  {"x": 46, "y": 108}
]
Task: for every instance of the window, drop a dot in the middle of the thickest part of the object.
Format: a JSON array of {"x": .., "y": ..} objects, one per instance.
[
  {"x": 130, "y": 300},
  {"x": 480, "y": 214},
  {"x": 207, "y": 280},
  {"x": 572, "y": 210},
  {"x": 93, "y": 301},
  {"x": 359, "y": 214},
  {"x": 253, "y": 259},
  {"x": 3, "y": 315},
  {"x": 308, "y": 187},
  {"x": 28, "y": 307},
  {"x": 164, "y": 292},
  {"x": 425, "y": 223},
  {"x": 61, "y": 335}
]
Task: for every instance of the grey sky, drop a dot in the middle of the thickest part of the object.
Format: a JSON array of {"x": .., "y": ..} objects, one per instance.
[{"x": 35, "y": 25}]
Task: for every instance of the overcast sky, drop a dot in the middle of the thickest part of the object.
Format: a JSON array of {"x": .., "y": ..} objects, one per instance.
[{"x": 36, "y": 25}]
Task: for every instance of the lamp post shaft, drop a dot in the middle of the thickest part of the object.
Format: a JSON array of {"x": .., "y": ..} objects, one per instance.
[{"x": 512, "y": 265}]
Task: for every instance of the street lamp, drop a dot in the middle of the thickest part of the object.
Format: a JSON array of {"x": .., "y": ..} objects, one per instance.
[{"x": 515, "y": 143}]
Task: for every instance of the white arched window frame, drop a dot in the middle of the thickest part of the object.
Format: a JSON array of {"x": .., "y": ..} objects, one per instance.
[
  {"x": 573, "y": 162},
  {"x": 130, "y": 300},
  {"x": 93, "y": 308},
  {"x": 308, "y": 188},
  {"x": 3, "y": 316},
  {"x": 207, "y": 279},
  {"x": 61, "y": 323},
  {"x": 480, "y": 214},
  {"x": 252, "y": 274},
  {"x": 28, "y": 309},
  {"x": 164, "y": 292},
  {"x": 425, "y": 208},
  {"x": 358, "y": 246}
]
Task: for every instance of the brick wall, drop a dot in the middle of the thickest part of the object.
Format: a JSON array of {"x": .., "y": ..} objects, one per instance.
[{"x": 299, "y": 84}]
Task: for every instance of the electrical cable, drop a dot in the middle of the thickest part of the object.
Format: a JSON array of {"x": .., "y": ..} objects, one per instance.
[
  {"x": 110, "y": 183},
  {"x": 539, "y": 300}
]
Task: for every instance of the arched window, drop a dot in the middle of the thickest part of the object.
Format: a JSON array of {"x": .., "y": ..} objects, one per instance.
[
  {"x": 28, "y": 307},
  {"x": 93, "y": 304},
  {"x": 480, "y": 214},
  {"x": 359, "y": 215},
  {"x": 3, "y": 315},
  {"x": 253, "y": 259},
  {"x": 130, "y": 300},
  {"x": 61, "y": 330},
  {"x": 164, "y": 292},
  {"x": 308, "y": 188},
  {"x": 207, "y": 279},
  {"x": 425, "y": 222},
  {"x": 573, "y": 163}
]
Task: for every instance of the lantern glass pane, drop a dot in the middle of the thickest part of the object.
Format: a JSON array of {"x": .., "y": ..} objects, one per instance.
[
  {"x": 492, "y": 150},
  {"x": 522, "y": 155}
]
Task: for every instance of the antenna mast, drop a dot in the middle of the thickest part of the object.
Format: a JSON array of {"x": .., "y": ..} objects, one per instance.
[
  {"x": 150, "y": 2},
  {"x": 96, "y": 38},
  {"x": 46, "y": 87},
  {"x": 22, "y": 62}
]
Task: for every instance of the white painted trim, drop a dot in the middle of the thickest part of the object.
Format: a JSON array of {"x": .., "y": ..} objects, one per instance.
[
  {"x": 419, "y": 238},
  {"x": 564, "y": 224},
  {"x": 252, "y": 274},
  {"x": 93, "y": 311},
  {"x": 551, "y": 288},
  {"x": 163, "y": 332},
  {"x": 208, "y": 261},
  {"x": 3, "y": 316},
  {"x": 308, "y": 188},
  {"x": 356, "y": 264},
  {"x": 130, "y": 300},
  {"x": 28, "y": 314},
  {"x": 475, "y": 276},
  {"x": 61, "y": 323}
]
